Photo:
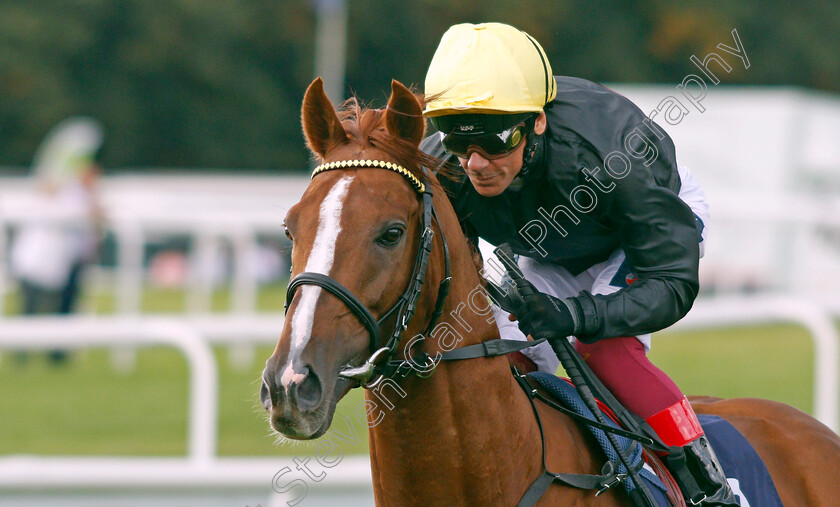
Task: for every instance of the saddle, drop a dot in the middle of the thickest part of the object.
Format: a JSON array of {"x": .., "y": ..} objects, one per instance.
[
  {"x": 623, "y": 446},
  {"x": 562, "y": 391},
  {"x": 560, "y": 394},
  {"x": 745, "y": 471}
]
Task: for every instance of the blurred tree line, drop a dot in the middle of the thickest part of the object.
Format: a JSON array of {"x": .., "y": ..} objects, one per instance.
[{"x": 218, "y": 83}]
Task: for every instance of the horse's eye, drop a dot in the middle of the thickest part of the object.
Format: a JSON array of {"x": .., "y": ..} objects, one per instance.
[
  {"x": 288, "y": 234},
  {"x": 391, "y": 237}
]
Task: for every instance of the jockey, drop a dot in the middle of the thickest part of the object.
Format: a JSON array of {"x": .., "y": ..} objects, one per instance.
[{"x": 586, "y": 190}]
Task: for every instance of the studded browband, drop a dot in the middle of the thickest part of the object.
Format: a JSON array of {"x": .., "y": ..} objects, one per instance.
[{"x": 415, "y": 182}]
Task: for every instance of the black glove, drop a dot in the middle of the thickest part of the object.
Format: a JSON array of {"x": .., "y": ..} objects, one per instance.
[
  {"x": 539, "y": 315},
  {"x": 543, "y": 316}
]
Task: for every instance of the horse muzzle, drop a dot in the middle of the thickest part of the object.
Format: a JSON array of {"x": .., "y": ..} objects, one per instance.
[{"x": 294, "y": 400}]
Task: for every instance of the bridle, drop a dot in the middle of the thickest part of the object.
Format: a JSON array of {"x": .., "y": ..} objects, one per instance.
[{"x": 405, "y": 307}]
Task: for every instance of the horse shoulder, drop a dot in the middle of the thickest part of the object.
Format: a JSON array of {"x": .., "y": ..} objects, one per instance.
[{"x": 801, "y": 454}]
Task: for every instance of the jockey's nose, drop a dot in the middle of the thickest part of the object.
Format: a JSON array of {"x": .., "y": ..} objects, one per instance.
[{"x": 475, "y": 162}]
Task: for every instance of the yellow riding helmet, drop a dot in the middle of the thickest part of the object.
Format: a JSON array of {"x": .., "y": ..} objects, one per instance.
[{"x": 488, "y": 68}]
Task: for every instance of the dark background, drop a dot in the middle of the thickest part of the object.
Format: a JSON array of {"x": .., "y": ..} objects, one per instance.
[{"x": 200, "y": 84}]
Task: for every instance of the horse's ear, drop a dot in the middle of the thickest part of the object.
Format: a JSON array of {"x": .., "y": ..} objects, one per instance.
[
  {"x": 404, "y": 118},
  {"x": 321, "y": 125}
]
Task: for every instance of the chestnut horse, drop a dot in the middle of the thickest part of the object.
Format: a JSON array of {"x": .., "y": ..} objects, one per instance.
[{"x": 465, "y": 434}]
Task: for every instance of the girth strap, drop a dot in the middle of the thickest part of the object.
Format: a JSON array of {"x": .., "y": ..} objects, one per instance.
[
  {"x": 609, "y": 475},
  {"x": 580, "y": 481}
]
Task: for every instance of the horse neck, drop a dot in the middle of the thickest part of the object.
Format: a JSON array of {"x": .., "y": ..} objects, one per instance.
[{"x": 463, "y": 424}]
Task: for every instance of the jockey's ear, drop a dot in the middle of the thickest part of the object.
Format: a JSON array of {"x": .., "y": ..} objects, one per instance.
[
  {"x": 404, "y": 117},
  {"x": 321, "y": 126}
]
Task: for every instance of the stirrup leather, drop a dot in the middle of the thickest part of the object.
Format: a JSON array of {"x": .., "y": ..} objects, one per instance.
[{"x": 705, "y": 467}]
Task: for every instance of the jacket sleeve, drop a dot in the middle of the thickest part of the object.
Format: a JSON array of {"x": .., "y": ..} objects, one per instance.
[{"x": 658, "y": 234}]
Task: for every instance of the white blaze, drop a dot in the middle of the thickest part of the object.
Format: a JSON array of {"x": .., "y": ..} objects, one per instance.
[{"x": 320, "y": 261}]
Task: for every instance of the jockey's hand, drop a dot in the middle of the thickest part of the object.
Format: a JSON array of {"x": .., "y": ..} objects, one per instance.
[
  {"x": 540, "y": 315},
  {"x": 543, "y": 316}
]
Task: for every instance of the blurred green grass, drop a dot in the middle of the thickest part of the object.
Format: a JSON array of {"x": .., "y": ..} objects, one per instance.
[
  {"x": 270, "y": 298},
  {"x": 773, "y": 362},
  {"x": 87, "y": 407}
]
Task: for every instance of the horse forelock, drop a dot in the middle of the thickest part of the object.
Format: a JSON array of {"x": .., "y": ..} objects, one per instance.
[{"x": 365, "y": 127}]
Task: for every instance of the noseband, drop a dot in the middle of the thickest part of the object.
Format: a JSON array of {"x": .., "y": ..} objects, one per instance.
[{"x": 406, "y": 305}]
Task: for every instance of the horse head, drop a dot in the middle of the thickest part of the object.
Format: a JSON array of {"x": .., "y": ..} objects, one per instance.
[{"x": 356, "y": 233}]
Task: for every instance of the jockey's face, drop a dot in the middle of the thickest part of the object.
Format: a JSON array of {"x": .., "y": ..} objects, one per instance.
[{"x": 491, "y": 177}]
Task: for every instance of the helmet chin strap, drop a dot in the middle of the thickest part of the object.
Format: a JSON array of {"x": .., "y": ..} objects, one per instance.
[{"x": 532, "y": 156}]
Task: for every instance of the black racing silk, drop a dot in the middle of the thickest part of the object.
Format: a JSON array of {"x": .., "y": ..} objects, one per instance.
[{"x": 636, "y": 208}]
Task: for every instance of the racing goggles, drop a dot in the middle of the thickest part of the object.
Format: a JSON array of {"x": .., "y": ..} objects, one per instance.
[
  {"x": 491, "y": 135},
  {"x": 489, "y": 146}
]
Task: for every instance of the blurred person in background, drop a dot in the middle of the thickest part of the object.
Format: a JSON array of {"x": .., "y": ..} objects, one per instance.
[
  {"x": 50, "y": 251},
  {"x": 611, "y": 244}
]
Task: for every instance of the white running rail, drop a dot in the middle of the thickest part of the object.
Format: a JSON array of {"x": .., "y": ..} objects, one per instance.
[
  {"x": 79, "y": 332},
  {"x": 740, "y": 310},
  {"x": 193, "y": 335}
]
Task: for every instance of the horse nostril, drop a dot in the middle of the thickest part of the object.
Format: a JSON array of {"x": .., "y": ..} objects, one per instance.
[
  {"x": 308, "y": 391},
  {"x": 265, "y": 396},
  {"x": 268, "y": 389}
]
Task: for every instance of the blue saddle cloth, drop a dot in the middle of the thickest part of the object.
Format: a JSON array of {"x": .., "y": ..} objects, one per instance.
[{"x": 745, "y": 471}]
